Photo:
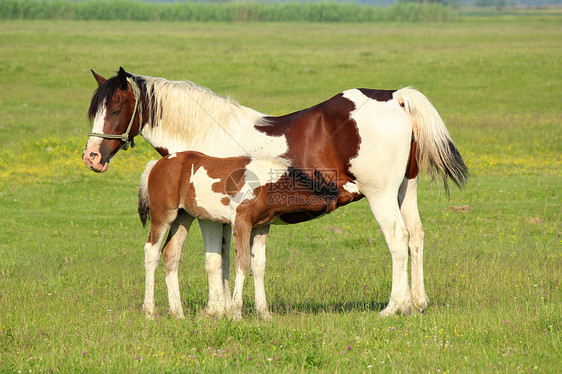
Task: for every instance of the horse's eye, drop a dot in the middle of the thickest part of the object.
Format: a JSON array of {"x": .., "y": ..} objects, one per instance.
[{"x": 116, "y": 113}]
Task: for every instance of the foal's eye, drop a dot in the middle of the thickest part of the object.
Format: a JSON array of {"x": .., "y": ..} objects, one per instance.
[{"x": 116, "y": 113}]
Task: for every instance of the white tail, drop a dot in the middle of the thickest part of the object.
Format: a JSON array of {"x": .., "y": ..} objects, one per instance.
[
  {"x": 436, "y": 152},
  {"x": 144, "y": 202}
]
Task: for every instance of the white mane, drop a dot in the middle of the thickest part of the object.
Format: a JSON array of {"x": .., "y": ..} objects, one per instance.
[{"x": 191, "y": 113}]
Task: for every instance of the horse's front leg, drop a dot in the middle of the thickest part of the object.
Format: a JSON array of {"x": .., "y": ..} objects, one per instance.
[
  {"x": 258, "y": 242},
  {"x": 212, "y": 236},
  {"x": 151, "y": 257},
  {"x": 226, "y": 235}
]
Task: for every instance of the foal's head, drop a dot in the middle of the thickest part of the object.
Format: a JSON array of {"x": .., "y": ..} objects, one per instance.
[{"x": 116, "y": 111}]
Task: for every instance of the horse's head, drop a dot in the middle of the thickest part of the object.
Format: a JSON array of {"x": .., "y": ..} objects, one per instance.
[{"x": 116, "y": 111}]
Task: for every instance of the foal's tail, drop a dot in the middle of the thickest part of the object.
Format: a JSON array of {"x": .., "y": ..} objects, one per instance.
[
  {"x": 436, "y": 152},
  {"x": 144, "y": 202}
]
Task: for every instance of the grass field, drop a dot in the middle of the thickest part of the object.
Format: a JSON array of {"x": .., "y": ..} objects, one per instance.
[{"x": 71, "y": 244}]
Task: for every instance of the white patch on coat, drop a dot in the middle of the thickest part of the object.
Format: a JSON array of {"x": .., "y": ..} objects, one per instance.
[
  {"x": 259, "y": 173},
  {"x": 351, "y": 187},
  {"x": 206, "y": 198},
  {"x": 99, "y": 121},
  {"x": 385, "y": 131},
  {"x": 173, "y": 155},
  {"x": 266, "y": 171}
]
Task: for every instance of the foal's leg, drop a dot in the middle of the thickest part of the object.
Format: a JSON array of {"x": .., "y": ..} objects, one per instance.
[
  {"x": 241, "y": 233},
  {"x": 212, "y": 236},
  {"x": 258, "y": 241},
  {"x": 226, "y": 235},
  {"x": 384, "y": 206},
  {"x": 409, "y": 210},
  {"x": 171, "y": 255},
  {"x": 151, "y": 256}
]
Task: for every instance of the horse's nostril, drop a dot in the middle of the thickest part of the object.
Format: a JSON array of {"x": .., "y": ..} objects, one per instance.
[{"x": 92, "y": 154}]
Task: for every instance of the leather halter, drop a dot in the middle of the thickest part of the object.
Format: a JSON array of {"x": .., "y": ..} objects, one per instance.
[{"x": 125, "y": 136}]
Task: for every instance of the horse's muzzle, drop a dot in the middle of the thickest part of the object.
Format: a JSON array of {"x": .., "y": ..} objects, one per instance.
[{"x": 93, "y": 161}]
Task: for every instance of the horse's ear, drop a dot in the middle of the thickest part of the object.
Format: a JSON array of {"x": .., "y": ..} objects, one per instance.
[
  {"x": 101, "y": 80},
  {"x": 122, "y": 76}
]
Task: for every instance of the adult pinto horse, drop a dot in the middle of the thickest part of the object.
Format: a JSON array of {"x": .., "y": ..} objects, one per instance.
[{"x": 364, "y": 142}]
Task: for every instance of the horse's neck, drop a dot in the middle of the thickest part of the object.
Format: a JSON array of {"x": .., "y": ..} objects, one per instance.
[{"x": 188, "y": 117}]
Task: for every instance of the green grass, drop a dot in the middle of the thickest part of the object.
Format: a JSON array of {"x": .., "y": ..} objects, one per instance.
[{"x": 71, "y": 245}]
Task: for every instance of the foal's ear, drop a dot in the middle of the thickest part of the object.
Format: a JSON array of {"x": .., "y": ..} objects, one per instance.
[
  {"x": 101, "y": 80},
  {"x": 122, "y": 77}
]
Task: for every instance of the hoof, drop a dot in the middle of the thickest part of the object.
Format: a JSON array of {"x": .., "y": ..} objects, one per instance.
[
  {"x": 177, "y": 315},
  {"x": 149, "y": 311},
  {"x": 421, "y": 303},
  {"x": 212, "y": 313},
  {"x": 393, "y": 308},
  {"x": 263, "y": 314},
  {"x": 236, "y": 315}
]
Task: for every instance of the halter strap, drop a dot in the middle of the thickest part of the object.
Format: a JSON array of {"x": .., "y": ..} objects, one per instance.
[{"x": 125, "y": 136}]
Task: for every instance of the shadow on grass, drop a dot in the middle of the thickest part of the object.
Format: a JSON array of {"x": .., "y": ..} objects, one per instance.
[{"x": 281, "y": 307}]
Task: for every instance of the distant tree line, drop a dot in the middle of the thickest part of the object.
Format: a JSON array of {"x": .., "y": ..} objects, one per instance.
[
  {"x": 455, "y": 3},
  {"x": 234, "y": 11}
]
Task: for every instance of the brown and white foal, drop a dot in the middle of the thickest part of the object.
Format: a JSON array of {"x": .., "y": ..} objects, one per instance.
[{"x": 244, "y": 192}]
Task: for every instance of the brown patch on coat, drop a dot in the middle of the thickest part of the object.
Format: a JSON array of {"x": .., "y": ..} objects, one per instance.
[
  {"x": 412, "y": 169},
  {"x": 315, "y": 129},
  {"x": 234, "y": 182},
  {"x": 292, "y": 202},
  {"x": 162, "y": 151},
  {"x": 378, "y": 95},
  {"x": 229, "y": 184},
  {"x": 332, "y": 140}
]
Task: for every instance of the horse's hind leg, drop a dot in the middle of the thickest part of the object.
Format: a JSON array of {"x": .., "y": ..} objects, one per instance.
[
  {"x": 258, "y": 242},
  {"x": 410, "y": 213},
  {"x": 384, "y": 206},
  {"x": 151, "y": 257},
  {"x": 171, "y": 255},
  {"x": 242, "y": 233}
]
